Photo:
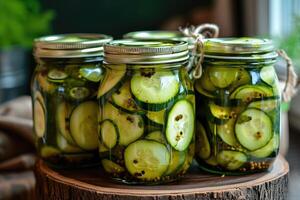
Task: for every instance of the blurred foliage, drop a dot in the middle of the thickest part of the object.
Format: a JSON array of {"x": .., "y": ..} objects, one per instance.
[
  {"x": 291, "y": 42},
  {"x": 21, "y": 21}
]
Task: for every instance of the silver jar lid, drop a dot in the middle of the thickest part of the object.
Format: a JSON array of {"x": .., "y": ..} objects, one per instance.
[
  {"x": 70, "y": 45},
  {"x": 145, "y": 51}
]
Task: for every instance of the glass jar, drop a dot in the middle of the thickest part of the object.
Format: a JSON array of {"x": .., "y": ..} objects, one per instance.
[
  {"x": 64, "y": 95},
  {"x": 147, "y": 116},
  {"x": 238, "y": 106}
]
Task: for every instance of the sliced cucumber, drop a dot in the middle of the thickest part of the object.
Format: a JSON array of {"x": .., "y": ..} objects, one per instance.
[
  {"x": 64, "y": 146},
  {"x": 268, "y": 74},
  {"x": 180, "y": 125},
  {"x": 130, "y": 126},
  {"x": 205, "y": 82},
  {"x": 56, "y": 75},
  {"x": 62, "y": 121},
  {"x": 242, "y": 79},
  {"x": 188, "y": 160},
  {"x": 156, "y": 136},
  {"x": 220, "y": 112},
  {"x": 123, "y": 98},
  {"x": 265, "y": 105},
  {"x": 176, "y": 162},
  {"x": 93, "y": 74},
  {"x": 157, "y": 88},
  {"x": 39, "y": 118},
  {"x": 49, "y": 151},
  {"x": 185, "y": 79},
  {"x": 111, "y": 79},
  {"x": 249, "y": 92},
  {"x": 158, "y": 117},
  {"x": 146, "y": 159},
  {"x": 83, "y": 125},
  {"x": 79, "y": 93},
  {"x": 102, "y": 149},
  {"x": 222, "y": 77},
  {"x": 109, "y": 133},
  {"x": 203, "y": 146},
  {"x": 269, "y": 148},
  {"x": 212, "y": 161},
  {"x": 111, "y": 167},
  {"x": 253, "y": 129},
  {"x": 227, "y": 134},
  {"x": 201, "y": 91},
  {"x": 231, "y": 160}
]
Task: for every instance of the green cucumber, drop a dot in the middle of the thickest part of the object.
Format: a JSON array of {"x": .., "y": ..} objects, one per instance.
[
  {"x": 56, "y": 75},
  {"x": 220, "y": 112},
  {"x": 176, "y": 161},
  {"x": 253, "y": 129},
  {"x": 64, "y": 146},
  {"x": 49, "y": 151},
  {"x": 153, "y": 91},
  {"x": 111, "y": 167},
  {"x": 205, "y": 82},
  {"x": 130, "y": 126},
  {"x": 242, "y": 79},
  {"x": 156, "y": 136},
  {"x": 62, "y": 121},
  {"x": 227, "y": 134},
  {"x": 180, "y": 125},
  {"x": 79, "y": 93},
  {"x": 249, "y": 92},
  {"x": 222, "y": 77},
  {"x": 146, "y": 159},
  {"x": 231, "y": 160},
  {"x": 268, "y": 149},
  {"x": 109, "y": 133},
  {"x": 268, "y": 74},
  {"x": 265, "y": 105},
  {"x": 203, "y": 149},
  {"x": 111, "y": 79},
  {"x": 92, "y": 73},
  {"x": 201, "y": 91},
  {"x": 157, "y": 118},
  {"x": 212, "y": 161},
  {"x": 83, "y": 125},
  {"x": 39, "y": 117},
  {"x": 102, "y": 149},
  {"x": 123, "y": 98}
]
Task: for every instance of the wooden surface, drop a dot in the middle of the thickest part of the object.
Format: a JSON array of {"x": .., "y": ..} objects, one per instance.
[{"x": 92, "y": 184}]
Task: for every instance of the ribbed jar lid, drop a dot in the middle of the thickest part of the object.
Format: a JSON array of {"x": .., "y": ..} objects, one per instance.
[
  {"x": 145, "y": 51},
  {"x": 70, "y": 45},
  {"x": 160, "y": 35}
]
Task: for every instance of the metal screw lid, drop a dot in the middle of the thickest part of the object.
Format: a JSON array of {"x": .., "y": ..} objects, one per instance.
[
  {"x": 145, "y": 51},
  {"x": 70, "y": 45}
]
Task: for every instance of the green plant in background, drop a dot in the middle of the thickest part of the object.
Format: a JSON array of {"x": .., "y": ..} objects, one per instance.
[{"x": 21, "y": 21}]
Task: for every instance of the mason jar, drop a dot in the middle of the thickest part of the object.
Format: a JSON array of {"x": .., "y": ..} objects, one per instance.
[
  {"x": 64, "y": 95},
  {"x": 238, "y": 106},
  {"x": 147, "y": 119}
]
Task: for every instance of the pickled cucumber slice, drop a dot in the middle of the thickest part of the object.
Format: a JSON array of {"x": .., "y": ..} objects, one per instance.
[
  {"x": 231, "y": 160},
  {"x": 49, "y": 151},
  {"x": 268, "y": 149},
  {"x": 227, "y": 134},
  {"x": 155, "y": 87},
  {"x": 205, "y": 82},
  {"x": 146, "y": 159},
  {"x": 56, "y": 75},
  {"x": 180, "y": 125},
  {"x": 201, "y": 91},
  {"x": 156, "y": 136},
  {"x": 176, "y": 162},
  {"x": 79, "y": 93},
  {"x": 123, "y": 99},
  {"x": 111, "y": 167},
  {"x": 222, "y": 77},
  {"x": 265, "y": 105},
  {"x": 268, "y": 74},
  {"x": 242, "y": 79},
  {"x": 249, "y": 92},
  {"x": 111, "y": 79},
  {"x": 253, "y": 129},
  {"x": 203, "y": 150},
  {"x": 220, "y": 112},
  {"x": 83, "y": 125},
  {"x": 64, "y": 146},
  {"x": 158, "y": 117},
  {"x": 62, "y": 121},
  {"x": 39, "y": 118},
  {"x": 212, "y": 161},
  {"x": 130, "y": 126},
  {"x": 93, "y": 74},
  {"x": 109, "y": 133}
]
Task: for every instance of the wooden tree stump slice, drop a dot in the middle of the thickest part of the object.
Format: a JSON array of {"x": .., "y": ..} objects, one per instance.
[{"x": 90, "y": 184}]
